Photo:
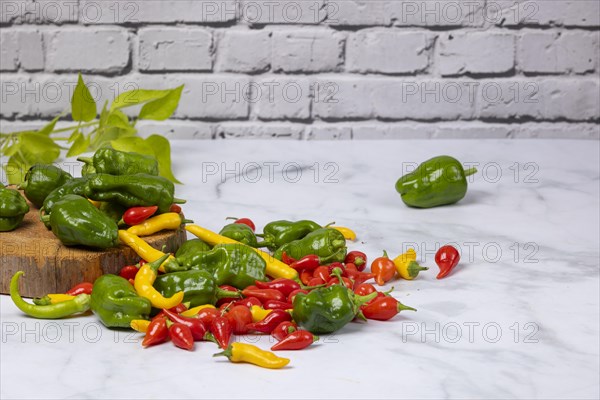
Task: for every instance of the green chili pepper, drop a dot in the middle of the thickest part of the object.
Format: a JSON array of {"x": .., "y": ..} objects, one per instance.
[
  {"x": 190, "y": 251},
  {"x": 75, "y": 221},
  {"x": 198, "y": 286},
  {"x": 326, "y": 310},
  {"x": 116, "y": 303},
  {"x": 436, "y": 182},
  {"x": 40, "y": 180},
  {"x": 241, "y": 233},
  {"x": 74, "y": 186},
  {"x": 329, "y": 244},
  {"x": 277, "y": 233},
  {"x": 13, "y": 208},
  {"x": 231, "y": 264},
  {"x": 115, "y": 162},
  {"x": 132, "y": 190},
  {"x": 79, "y": 304}
]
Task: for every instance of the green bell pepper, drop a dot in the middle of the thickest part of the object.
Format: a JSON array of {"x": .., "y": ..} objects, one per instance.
[
  {"x": 132, "y": 190},
  {"x": 40, "y": 180},
  {"x": 436, "y": 182},
  {"x": 329, "y": 309},
  {"x": 114, "y": 162},
  {"x": 231, "y": 264},
  {"x": 277, "y": 233},
  {"x": 116, "y": 302},
  {"x": 241, "y": 233},
  {"x": 198, "y": 287},
  {"x": 13, "y": 208},
  {"x": 75, "y": 221},
  {"x": 327, "y": 243},
  {"x": 190, "y": 251}
]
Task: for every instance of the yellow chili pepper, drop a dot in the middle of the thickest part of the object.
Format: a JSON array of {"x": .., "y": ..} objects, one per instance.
[
  {"x": 143, "y": 286},
  {"x": 347, "y": 232},
  {"x": 171, "y": 221},
  {"x": 407, "y": 266},
  {"x": 95, "y": 203},
  {"x": 143, "y": 249},
  {"x": 59, "y": 297},
  {"x": 248, "y": 353},
  {"x": 140, "y": 325},
  {"x": 192, "y": 312},
  {"x": 275, "y": 268},
  {"x": 259, "y": 313}
]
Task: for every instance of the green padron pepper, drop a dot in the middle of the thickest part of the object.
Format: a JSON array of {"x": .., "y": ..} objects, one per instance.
[
  {"x": 329, "y": 244},
  {"x": 241, "y": 233},
  {"x": 115, "y": 162},
  {"x": 198, "y": 287},
  {"x": 326, "y": 310},
  {"x": 74, "y": 186},
  {"x": 436, "y": 182},
  {"x": 190, "y": 251},
  {"x": 40, "y": 180},
  {"x": 116, "y": 303},
  {"x": 75, "y": 221},
  {"x": 132, "y": 190},
  {"x": 13, "y": 208},
  {"x": 277, "y": 233},
  {"x": 231, "y": 264}
]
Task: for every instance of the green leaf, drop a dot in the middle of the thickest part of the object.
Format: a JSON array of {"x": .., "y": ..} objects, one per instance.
[
  {"x": 12, "y": 149},
  {"x": 132, "y": 144},
  {"x": 138, "y": 96},
  {"x": 162, "y": 152},
  {"x": 37, "y": 148},
  {"x": 118, "y": 119},
  {"x": 15, "y": 169},
  {"x": 49, "y": 127},
  {"x": 80, "y": 144},
  {"x": 163, "y": 108},
  {"x": 83, "y": 106}
]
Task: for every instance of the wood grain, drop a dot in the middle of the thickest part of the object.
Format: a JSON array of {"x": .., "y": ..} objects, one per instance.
[{"x": 51, "y": 267}]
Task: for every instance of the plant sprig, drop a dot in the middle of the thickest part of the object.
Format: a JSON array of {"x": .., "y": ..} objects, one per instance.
[{"x": 112, "y": 127}]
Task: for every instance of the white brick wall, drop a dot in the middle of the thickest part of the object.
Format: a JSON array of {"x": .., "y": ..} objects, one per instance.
[{"x": 314, "y": 69}]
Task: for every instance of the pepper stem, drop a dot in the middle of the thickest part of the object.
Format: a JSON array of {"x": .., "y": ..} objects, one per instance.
[
  {"x": 45, "y": 218},
  {"x": 179, "y": 201},
  {"x": 154, "y": 265},
  {"x": 329, "y": 224},
  {"x": 402, "y": 307},
  {"x": 187, "y": 221},
  {"x": 227, "y": 353},
  {"x": 87, "y": 160},
  {"x": 470, "y": 171},
  {"x": 224, "y": 294},
  {"x": 360, "y": 300}
]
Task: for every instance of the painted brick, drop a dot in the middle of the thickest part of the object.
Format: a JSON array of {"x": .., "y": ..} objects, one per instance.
[
  {"x": 388, "y": 52},
  {"x": 263, "y": 12},
  {"x": 244, "y": 51},
  {"x": 178, "y": 130},
  {"x": 90, "y": 50},
  {"x": 437, "y": 12},
  {"x": 558, "y": 52},
  {"x": 158, "y": 12},
  {"x": 329, "y": 132},
  {"x": 21, "y": 49},
  {"x": 175, "y": 49},
  {"x": 514, "y": 13},
  {"x": 556, "y": 130},
  {"x": 358, "y": 13},
  {"x": 282, "y": 98},
  {"x": 462, "y": 53},
  {"x": 398, "y": 130},
  {"x": 39, "y": 11},
  {"x": 307, "y": 50},
  {"x": 254, "y": 130},
  {"x": 214, "y": 97}
]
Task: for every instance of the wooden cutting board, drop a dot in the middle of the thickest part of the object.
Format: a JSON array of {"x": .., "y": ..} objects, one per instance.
[{"x": 51, "y": 267}]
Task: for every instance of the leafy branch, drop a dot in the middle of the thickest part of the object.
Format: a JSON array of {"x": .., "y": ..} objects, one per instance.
[{"x": 112, "y": 127}]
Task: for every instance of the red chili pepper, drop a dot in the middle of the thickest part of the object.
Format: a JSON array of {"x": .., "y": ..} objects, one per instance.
[
  {"x": 277, "y": 305},
  {"x": 447, "y": 257},
  {"x": 221, "y": 329},
  {"x": 383, "y": 268},
  {"x": 315, "y": 282},
  {"x": 181, "y": 335},
  {"x": 157, "y": 332},
  {"x": 292, "y": 295},
  {"x": 264, "y": 294},
  {"x": 269, "y": 323},
  {"x": 309, "y": 262},
  {"x": 364, "y": 289},
  {"x": 197, "y": 328},
  {"x": 179, "y": 308},
  {"x": 285, "y": 286},
  {"x": 284, "y": 329},
  {"x": 357, "y": 258},
  {"x": 248, "y": 302},
  {"x": 351, "y": 271},
  {"x": 296, "y": 341},
  {"x": 322, "y": 272},
  {"x": 306, "y": 276},
  {"x": 82, "y": 288},
  {"x": 335, "y": 281},
  {"x": 132, "y": 282},
  {"x": 137, "y": 215},
  {"x": 287, "y": 259},
  {"x": 175, "y": 208},
  {"x": 239, "y": 317},
  {"x": 207, "y": 315},
  {"x": 129, "y": 272},
  {"x": 363, "y": 277},
  {"x": 244, "y": 221},
  {"x": 383, "y": 308}
]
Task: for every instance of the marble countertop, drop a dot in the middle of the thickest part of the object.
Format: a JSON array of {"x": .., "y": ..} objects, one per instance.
[{"x": 519, "y": 318}]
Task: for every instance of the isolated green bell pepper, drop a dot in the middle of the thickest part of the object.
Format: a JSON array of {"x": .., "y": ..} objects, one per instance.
[{"x": 116, "y": 303}]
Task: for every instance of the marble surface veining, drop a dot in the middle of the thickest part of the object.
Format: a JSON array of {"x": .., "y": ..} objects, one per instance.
[{"x": 519, "y": 318}]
